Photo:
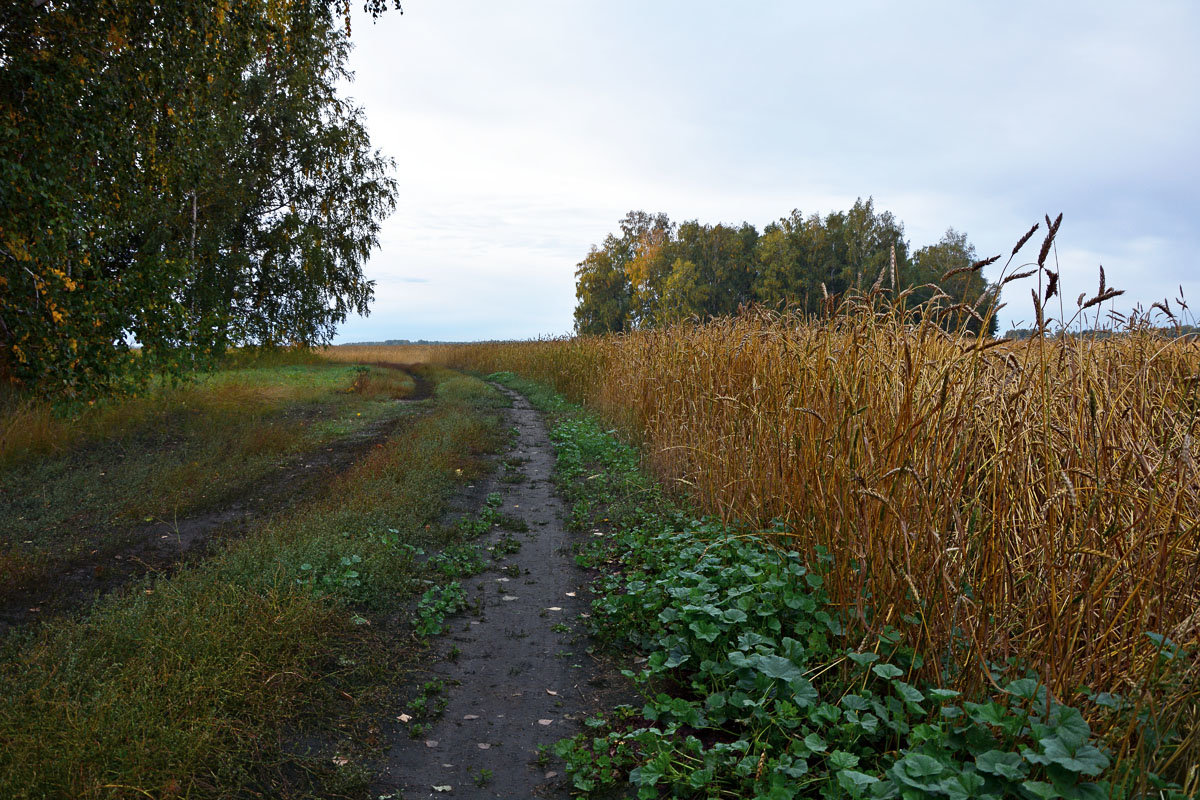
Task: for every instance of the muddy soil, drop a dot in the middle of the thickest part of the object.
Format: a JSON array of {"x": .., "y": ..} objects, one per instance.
[
  {"x": 517, "y": 672},
  {"x": 127, "y": 554}
]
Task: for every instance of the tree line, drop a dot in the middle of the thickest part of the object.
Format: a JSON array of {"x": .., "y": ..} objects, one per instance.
[
  {"x": 654, "y": 272},
  {"x": 176, "y": 178}
]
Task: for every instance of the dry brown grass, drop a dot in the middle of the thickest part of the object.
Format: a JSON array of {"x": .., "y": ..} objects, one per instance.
[
  {"x": 29, "y": 426},
  {"x": 383, "y": 384},
  {"x": 1036, "y": 501},
  {"x": 386, "y": 354}
]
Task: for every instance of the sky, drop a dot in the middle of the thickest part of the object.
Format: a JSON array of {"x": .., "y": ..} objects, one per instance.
[{"x": 523, "y": 131}]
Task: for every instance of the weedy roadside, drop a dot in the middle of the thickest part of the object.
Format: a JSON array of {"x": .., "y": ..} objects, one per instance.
[{"x": 111, "y": 473}]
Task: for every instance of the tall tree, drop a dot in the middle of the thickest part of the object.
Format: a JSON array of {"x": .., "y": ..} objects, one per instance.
[
  {"x": 965, "y": 286},
  {"x": 177, "y": 175},
  {"x": 603, "y": 292},
  {"x": 723, "y": 259},
  {"x": 619, "y": 284}
]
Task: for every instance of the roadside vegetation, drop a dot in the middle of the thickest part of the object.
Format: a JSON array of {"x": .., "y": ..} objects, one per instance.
[
  {"x": 76, "y": 479},
  {"x": 758, "y": 684},
  {"x": 257, "y": 670}
]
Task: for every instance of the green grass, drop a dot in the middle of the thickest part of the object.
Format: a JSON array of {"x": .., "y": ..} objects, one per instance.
[
  {"x": 177, "y": 453},
  {"x": 756, "y": 686},
  {"x": 196, "y": 686}
]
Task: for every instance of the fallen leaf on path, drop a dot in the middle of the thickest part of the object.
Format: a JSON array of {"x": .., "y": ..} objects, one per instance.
[
  {"x": 471, "y": 716},
  {"x": 446, "y": 788},
  {"x": 570, "y": 594},
  {"x": 404, "y": 718},
  {"x": 545, "y": 721},
  {"x": 550, "y": 775},
  {"x": 483, "y": 746},
  {"x": 552, "y": 692},
  {"x": 554, "y": 608},
  {"x": 431, "y": 743},
  {"x": 508, "y": 597}
]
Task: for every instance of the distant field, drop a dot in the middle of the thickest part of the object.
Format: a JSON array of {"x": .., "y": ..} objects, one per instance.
[
  {"x": 1030, "y": 503},
  {"x": 383, "y": 353}
]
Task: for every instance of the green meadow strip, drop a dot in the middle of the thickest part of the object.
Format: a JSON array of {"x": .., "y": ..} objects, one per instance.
[
  {"x": 755, "y": 686},
  {"x": 189, "y": 686}
]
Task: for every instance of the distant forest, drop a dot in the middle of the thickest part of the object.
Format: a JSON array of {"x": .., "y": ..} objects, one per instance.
[{"x": 654, "y": 271}]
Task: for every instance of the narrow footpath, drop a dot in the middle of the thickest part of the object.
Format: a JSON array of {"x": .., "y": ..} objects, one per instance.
[{"x": 515, "y": 668}]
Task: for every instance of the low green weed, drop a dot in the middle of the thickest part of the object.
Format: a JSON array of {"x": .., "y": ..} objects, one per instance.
[
  {"x": 506, "y": 546},
  {"x": 436, "y": 604},
  {"x": 490, "y": 516},
  {"x": 427, "y": 706},
  {"x": 459, "y": 561}
]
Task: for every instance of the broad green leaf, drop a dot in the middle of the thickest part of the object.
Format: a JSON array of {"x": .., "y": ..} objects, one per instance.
[
  {"x": 887, "y": 671},
  {"x": 918, "y": 765},
  {"x": 908, "y": 693},
  {"x": 705, "y": 630},
  {"x": 777, "y": 667},
  {"x": 862, "y": 659},
  {"x": 1084, "y": 760},
  {"x": 1041, "y": 790},
  {"x": 1025, "y": 688},
  {"x": 1004, "y": 764},
  {"x": 855, "y": 782}
]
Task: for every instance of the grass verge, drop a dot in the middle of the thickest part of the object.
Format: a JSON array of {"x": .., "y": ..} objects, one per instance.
[
  {"x": 757, "y": 686},
  {"x": 173, "y": 453},
  {"x": 206, "y": 684}
]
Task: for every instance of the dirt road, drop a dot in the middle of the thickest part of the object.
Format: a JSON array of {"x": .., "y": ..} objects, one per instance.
[{"x": 523, "y": 677}]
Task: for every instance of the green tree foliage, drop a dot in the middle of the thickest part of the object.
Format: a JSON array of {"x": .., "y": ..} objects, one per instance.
[
  {"x": 181, "y": 176},
  {"x": 945, "y": 268},
  {"x": 618, "y": 282},
  {"x": 656, "y": 272}
]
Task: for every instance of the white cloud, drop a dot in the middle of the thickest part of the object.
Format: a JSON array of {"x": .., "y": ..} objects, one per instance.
[{"x": 523, "y": 132}]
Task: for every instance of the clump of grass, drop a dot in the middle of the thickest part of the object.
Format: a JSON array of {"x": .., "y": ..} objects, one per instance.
[
  {"x": 1029, "y": 502},
  {"x": 166, "y": 456},
  {"x": 32, "y": 426},
  {"x": 379, "y": 383}
]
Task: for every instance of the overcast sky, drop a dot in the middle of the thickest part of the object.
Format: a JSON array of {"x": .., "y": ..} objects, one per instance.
[{"x": 523, "y": 131}]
